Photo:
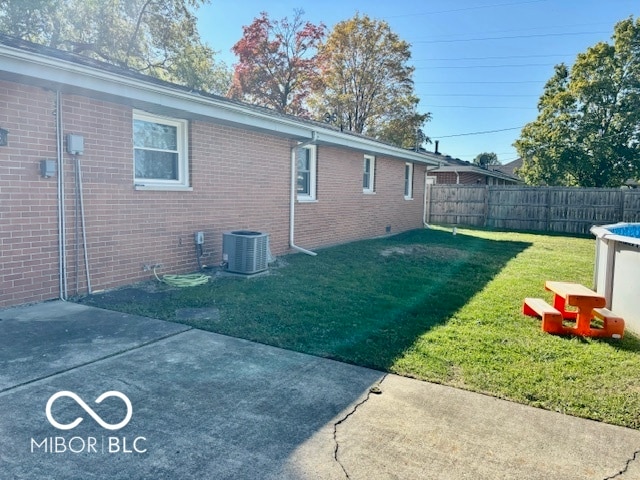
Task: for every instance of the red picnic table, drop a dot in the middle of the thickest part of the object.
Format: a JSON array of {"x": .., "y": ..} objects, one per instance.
[
  {"x": 575, "y": 295},
  {"x": 588, "y": 305}
]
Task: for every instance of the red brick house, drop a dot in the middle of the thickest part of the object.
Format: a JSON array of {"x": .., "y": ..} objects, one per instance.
[
  {"x": 132, "y": 167},
  {"x": 459, "y": 172}
]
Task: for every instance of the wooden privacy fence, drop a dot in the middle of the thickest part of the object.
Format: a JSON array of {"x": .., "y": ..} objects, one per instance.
[{"x": 550, "y": 209}]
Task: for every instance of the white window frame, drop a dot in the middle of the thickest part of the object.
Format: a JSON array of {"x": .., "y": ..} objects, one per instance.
[
  {"x": 311, "y": 195},
  {"x": 408, "y": 181},
  {"x": 370, "y": 185},
  {"x": 182, "y": 182}
]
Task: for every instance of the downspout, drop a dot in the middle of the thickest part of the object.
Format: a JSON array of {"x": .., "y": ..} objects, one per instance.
[
  {"x": 62, "y": 258},
  {"x": 292, "y": 200},
  {"x": 424, "y": 203}
]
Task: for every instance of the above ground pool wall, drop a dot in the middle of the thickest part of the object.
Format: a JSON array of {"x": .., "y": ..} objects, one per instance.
[{"x": 617, "y": 271}]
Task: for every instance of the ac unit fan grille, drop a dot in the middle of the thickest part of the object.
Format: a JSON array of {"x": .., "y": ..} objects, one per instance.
[{"x": 246, "y": 252}]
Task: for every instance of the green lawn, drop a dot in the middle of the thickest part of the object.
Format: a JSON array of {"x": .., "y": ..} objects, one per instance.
[{"x": 430, "y": 305}]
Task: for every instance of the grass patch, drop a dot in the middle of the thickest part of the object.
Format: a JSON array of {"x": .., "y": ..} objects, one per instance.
[{"x": 424, "y": 304}]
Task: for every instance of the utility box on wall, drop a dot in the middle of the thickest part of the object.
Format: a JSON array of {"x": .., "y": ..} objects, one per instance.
[
  {"x": 75, "y": 144},
  {"x": 245, "y": 251},
  {"x": 48, "y": 168}
]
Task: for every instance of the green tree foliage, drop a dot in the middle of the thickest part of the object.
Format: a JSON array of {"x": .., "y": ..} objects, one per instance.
[
  {"x": 367, "y": 83},
  {"x": 155, "y": 37},
  {"x": 485, "y": 159},
  {"x": 278, "y": 64},
  {"x": 405, "y": 130},
  {"x": 588, "y": 128}
]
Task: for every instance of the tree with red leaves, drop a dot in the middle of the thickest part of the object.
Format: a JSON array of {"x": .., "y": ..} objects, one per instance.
[{"x": 277, "y": 65}]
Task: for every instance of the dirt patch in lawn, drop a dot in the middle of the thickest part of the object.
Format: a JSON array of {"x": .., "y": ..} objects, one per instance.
[{"x": 435, "y": 252}]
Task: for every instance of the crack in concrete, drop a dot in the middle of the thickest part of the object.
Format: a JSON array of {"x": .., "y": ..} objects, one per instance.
[
  {"x": 635, "y": 456},
  {"x": 375, "y": 389}
]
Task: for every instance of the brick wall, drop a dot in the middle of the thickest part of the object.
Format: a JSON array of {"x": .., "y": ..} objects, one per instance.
[
  {"x": 344, "y": 213},
  {"x": 240, "y": 180},
  {"x": 28, "y": 218}
]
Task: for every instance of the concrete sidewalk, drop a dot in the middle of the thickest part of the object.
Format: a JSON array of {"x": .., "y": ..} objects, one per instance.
[{"x": 209, "y": 406}]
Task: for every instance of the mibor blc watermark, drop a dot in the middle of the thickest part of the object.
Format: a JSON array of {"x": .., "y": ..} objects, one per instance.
[{"x": 76, "y": 444}]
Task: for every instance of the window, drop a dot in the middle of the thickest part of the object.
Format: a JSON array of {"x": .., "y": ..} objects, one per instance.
[
  {"x": 368, "y": 174},
  {"x": 408, "y": 181},
  {"x": 306, "y": 169},
  {"x": 160, "y": 152}
]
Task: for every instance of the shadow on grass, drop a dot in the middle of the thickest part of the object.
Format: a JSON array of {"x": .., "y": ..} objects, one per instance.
[
  {"x": 363, "y": 303},
  {"x": 629, "y": 343}
]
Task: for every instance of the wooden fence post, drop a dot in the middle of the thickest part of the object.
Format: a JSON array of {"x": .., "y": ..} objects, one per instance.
[
  {"x": 486, "y": 206},
  {"x": 548, "y": 208}
]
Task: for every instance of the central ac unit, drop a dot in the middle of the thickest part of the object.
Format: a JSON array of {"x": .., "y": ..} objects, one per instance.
[{"x": 245, "y": 251}]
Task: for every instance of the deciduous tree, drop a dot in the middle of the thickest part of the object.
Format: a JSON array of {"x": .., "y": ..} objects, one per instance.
[
  {"x": 155, "y": 37},
  {"x": 588, "y": 128},
  {"x": 406, "y": 129},
  {"x": 485, "y": 159},
  {"x": 277, "y": 64},
  {"x": 367, "y": 82}
]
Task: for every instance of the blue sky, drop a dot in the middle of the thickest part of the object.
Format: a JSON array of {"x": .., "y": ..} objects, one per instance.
[{"x": 481, "y": 65}]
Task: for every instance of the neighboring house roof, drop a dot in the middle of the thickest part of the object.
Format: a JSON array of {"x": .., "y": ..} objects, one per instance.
[
  {"x": 29, "y": 63},
  {"x": 455, "y": 165},
  {"x": 511, "y": 167}
]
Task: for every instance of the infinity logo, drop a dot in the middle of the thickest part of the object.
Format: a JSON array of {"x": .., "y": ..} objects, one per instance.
[{"x": 88, "y": 409}]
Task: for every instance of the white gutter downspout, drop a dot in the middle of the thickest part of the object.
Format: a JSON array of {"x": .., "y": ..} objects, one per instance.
[
  {"x": 424, "y": 203},
  {"x": 292, "y": 200},
  {"x": 62, "y": 258}
]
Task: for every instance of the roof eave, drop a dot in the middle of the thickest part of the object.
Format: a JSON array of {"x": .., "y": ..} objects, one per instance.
[
  {"x": 373, "y": 147},
  {"x": 69, "y": 76}
]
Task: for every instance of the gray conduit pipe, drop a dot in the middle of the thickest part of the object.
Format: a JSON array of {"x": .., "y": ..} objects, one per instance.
[
  {"x": 76, "y": 229},
  {"x": 82, "y": 223},
  {"x": 62, "y": 257},
  {"x": 292, "y": 202}
]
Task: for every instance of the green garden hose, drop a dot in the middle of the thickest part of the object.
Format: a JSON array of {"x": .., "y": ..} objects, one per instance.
[{"x": 189, "y": 280}]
